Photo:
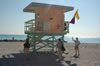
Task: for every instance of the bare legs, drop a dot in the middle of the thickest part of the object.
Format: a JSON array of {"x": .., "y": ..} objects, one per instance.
[
  {"x": 27, "y": 53},
  {"x": 59, "y": 53},
  {"x": 77, "y": 53}
]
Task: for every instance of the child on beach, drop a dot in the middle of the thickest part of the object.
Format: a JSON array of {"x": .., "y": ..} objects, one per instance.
[{"x": 77, "y": 43}]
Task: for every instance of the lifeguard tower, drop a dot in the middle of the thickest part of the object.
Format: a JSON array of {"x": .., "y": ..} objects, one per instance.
[{"x": 49, "y": 22}]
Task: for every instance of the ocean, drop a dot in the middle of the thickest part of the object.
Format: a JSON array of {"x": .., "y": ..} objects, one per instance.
[{"x": 68, "y": 39}]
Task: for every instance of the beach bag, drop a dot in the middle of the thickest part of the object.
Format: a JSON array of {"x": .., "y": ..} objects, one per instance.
[
  {"x": 62, "y": 47},
  {"x": 26, "y": 45}
]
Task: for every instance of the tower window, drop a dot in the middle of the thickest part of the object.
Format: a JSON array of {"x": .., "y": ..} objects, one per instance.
[{"x": 38, "y": 15}]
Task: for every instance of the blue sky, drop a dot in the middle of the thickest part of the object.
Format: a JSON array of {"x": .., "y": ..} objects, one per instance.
[{"x": 12, "y": 17}]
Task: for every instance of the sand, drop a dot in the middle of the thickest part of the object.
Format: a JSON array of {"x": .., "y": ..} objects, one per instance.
[{"x": 12, "y": 54}]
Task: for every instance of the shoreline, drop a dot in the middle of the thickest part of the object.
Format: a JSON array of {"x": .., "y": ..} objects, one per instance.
[
  {"x": 82, "y": 43},
  {"x": 12, "y": 40},
  {"x": 24, "y": 41}
]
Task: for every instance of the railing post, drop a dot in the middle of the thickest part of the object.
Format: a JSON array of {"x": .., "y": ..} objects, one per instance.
[
  {"x": 34, "y": 43},
  {"x": 53, "y": 43},
  {"x": 68, "y": 27},
  {"x": 62, "y": 27}
]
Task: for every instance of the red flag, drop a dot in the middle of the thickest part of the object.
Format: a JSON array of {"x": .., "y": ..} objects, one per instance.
[{"x": 73, "y": 20}]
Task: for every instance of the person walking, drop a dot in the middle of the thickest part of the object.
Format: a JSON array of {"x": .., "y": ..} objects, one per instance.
[{"x": 77, "y": 43}]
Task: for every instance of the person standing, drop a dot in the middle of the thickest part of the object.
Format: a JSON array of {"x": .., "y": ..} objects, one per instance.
[
  {"x": 26, "y": 47},
  {"x": 77, "y": 43},
  {"x": 58, "y": 47},
  {"x": 13, "y": 38}
]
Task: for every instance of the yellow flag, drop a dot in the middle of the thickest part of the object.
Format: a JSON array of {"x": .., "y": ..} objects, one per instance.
[{"x": 76, "y": 15}]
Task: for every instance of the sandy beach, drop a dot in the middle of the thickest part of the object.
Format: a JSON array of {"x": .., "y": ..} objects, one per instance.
[{"x": 12, "y": 54}]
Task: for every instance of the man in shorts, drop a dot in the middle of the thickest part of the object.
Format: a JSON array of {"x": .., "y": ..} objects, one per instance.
[{"x": 77, "y": 43}]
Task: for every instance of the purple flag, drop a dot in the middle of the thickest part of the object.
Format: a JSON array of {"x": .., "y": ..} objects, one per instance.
[{"x": 73, "y": 20}]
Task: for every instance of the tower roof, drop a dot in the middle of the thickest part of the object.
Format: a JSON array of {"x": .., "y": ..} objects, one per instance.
[{"x": 31, "y": 7}]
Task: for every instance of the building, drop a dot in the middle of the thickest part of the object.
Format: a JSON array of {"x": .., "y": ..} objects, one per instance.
[{"x": 49, "y": 21}]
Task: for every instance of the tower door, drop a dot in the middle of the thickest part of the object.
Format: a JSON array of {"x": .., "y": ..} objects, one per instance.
[{"x": 46, "y": 26}]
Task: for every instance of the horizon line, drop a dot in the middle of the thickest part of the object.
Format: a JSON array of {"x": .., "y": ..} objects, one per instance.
[{"x": 65, "y": 36}]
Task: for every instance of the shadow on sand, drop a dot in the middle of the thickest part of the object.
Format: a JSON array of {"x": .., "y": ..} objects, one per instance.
[
  {"x": 76, "y": 57},
  {"x": 69, "y": 63},
  {"x": 39, "y": 59}
]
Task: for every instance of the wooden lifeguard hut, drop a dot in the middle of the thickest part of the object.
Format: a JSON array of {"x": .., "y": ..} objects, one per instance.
[{"x": 49, "y": 21}]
